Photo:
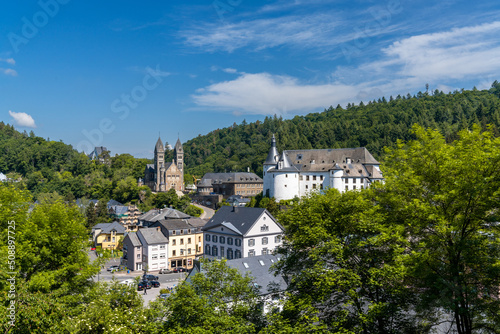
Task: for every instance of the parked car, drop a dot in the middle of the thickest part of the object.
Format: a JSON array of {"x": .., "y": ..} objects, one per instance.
[
  {"x": 165, "y": 271},
  {"x": 164, "y": 296},
  {"x": 113, "y": 268},
  {"x": 155, "y": 284},
  {"x": 144, "y": 284},
  {"x": 150, "y": 277},
  {"x": 180, "y": 270}
]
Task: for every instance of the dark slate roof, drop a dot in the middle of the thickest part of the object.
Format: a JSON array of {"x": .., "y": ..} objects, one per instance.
[
  {"x": 153, "y": 236},
  {"x": 155, "y": 215},
  {"x": 119, "y": 209},
  {"x": 112, "y": 202},
  {"x": 273, "y": 155},
  {"x": 97, "y": 151},
  {"x": 134, "y": 239},
  {"x": 238, "y": 219},
  {"x": 178, "y": 224},
  {"x": 258, "y": 267},
  {"x": 108, "y": 227},
  {"x": 178, "y": 145}
]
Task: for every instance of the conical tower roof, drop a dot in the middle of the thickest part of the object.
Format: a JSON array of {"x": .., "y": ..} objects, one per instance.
[
  {"x": 272, "y": 156},
  {"x": 285, "y": 160},
  {"x": 159, "y": 146},
  {"x": 178, "y": 145}
]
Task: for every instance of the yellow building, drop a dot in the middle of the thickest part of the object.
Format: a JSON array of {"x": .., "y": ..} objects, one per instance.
[
  {"x": 185, "y": 240},
  {"x": 108, "y": 235}
]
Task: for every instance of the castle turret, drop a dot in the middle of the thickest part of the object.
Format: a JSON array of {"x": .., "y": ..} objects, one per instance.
[{"x": 272, "y": 156}]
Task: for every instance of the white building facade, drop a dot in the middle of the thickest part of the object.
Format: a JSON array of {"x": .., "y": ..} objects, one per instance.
[
  {"x": 297, "y": 173},
  {"x": 239, "y": 232}
]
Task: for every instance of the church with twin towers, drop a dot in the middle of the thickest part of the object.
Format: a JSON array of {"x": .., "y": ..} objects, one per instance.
[{"x": 162, "y": 176}]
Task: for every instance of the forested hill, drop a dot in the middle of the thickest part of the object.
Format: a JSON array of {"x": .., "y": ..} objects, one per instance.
[{"x": 373, "y": 125}]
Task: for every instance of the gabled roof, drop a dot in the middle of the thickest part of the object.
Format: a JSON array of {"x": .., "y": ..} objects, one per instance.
[
  {"x": 152, "y": 236},
  {"x": 239, "y": 218},
  {"x": 134, "y": 240},
  {"x": 108, "y": 227},
  {"x": 119, "y": 210},
  {"x": 155, "y": 215},
  {"x": 233, "y": 177}
]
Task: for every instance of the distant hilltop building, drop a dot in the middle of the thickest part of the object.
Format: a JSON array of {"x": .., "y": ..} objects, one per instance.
[
  {"x": 295, "y": 173},
  {"x": 99, "y": 153},
  {"x": 161, "y": 176}
]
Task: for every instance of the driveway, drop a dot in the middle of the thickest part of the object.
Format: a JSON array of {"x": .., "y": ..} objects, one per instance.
[{"x": 207, "y": 212}]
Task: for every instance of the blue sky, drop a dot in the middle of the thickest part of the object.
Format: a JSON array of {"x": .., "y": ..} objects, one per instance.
[{"x": 119, "y": 73}]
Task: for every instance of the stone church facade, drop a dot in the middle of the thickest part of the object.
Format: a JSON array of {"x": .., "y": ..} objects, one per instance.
[{"x": 162, "y": 176}]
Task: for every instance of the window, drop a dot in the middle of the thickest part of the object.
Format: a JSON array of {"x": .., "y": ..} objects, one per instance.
[
  {"x": 222, "y": 240},
  {"x": 251, "y": 242},
  {"x": 229, "y": 240},
  {"x": 182, "y": 231},
  {"x": 154, "y": 257},
  {"x": 229, "y": 253},
  {"x": 214, "y": 238},
  {"x": 314, "y": 177},
  {"x": 182, "y": 241},
  {"x": 189, "y": 240},
  {"x": 162, "y": 246},
  {"x": 162, "y": 256},
  {"x": 307, "y": 187},
  {"x": 207, "y": 249},
  {"x": 307, "y": 177},
  {"x": 251, "y": 253},
  {"x": 182, "y": 252},
  {"x": 346, "y": 187},
  {"x": 265, "y": 251},
  {"x": 214, "y": 250},
  {"x": 189, "y": 250},
  {"x": 314, "y": 185},
  {"x": 237, "y": 254},
  {"x": 264, "y": 228},
  {"x": 173, "y": 264},
  {"x": 199, "y": 239},
  {"x": 173, "y": 252},
  {"x": 138, "y": 247},
  {"x": 189, "y": 231},
  {"x": 321, "y": 177},
  {"x": 138, "y": 256},
  {"x": 237, "y": 242},
  {"x": 173, "y": 242},
  {"x": 277, "y": 239},
  {"x": 221, "y": 251},
  {"x": 207, "y": 237},
  {"x": 264, "y": 240},
  {"x": 173, "y": 232},
  {"x": 301, "y": 178},
  {"x": 353, "y": 187}
]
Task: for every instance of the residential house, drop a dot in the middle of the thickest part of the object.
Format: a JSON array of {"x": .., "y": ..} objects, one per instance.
[
  {"x": 108, "y": 235},
  {"x": 185, "y": 238},
  {"x": 154, "y": 248},
  {"x": 237, "y": 200},
  {"x": 240, "y": 232},
  {"x": 296, "y": 173},
  {"x": 100, "y": 153},
  {"x": 132, "y": 252},
  {"x": 270, "y": 287}
]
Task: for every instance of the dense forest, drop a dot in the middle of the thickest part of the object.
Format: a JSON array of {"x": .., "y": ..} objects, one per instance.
[
  {"x": 374, "y": 125},
  {"x": 46, "y": 166}
]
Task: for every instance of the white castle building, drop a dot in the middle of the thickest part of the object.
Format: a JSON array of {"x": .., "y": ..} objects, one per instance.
[{"x": 296, "y": 173}]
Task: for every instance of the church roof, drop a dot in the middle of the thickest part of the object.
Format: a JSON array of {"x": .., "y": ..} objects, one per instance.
[
  {"x": 159, "y": 145},
  {"x": 178, "y": 145}
]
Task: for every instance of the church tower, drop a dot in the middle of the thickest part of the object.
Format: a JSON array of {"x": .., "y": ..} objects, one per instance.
[
  {"x": 159, "y": 165},
  {"x": 179, "y": 160}
]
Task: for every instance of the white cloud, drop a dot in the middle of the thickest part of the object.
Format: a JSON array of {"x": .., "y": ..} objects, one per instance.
[
  {"x": 10, "y": 61},
  {"x": 455, "y": 54},
  {"x": 444, "y": 60},
  {"x": 8, "y": 71},
  {"x": 229, "y": 70},
  {"x": 263, "y": 93},
  {"x": 22, "y": 119}
]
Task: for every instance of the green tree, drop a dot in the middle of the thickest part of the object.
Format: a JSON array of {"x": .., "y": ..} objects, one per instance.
[
  {"x": 443, "y": 200},
  {"x": 216, "y": 300},
  {"x": 343, "y": 270}
]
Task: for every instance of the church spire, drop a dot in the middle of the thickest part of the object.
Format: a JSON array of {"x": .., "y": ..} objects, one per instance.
[{"x": 159, "y": 146}]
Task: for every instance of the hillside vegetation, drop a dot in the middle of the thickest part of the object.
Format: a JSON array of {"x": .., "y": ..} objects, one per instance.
[{"x": 373, "y": 125}]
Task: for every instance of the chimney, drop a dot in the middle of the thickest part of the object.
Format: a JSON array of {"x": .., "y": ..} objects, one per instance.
[{"x": 235, "y": 208}]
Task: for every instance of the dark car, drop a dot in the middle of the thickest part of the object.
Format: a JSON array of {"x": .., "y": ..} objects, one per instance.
[
  {"x": 155, "y": 284},
  {"x": 180, "y": 270},
  {"x": 143, "y": 284},
  {"x": 150, "y": 278}
]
